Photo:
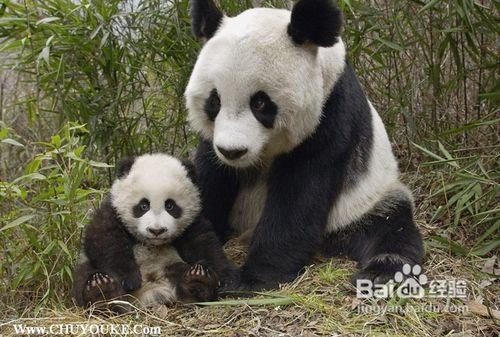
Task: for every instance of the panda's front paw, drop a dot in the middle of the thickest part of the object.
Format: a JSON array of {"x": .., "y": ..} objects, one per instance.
[
  {"x": 101, "y": 287},
  {"x": 199, "y": 283},
  {"x": 245, "y": 288},
  {"x": 380, "y": 271},
  {"x": 230, "y": 279},
  {"x": 132, "y": 281},
  {"x": 375, "y": 276}
]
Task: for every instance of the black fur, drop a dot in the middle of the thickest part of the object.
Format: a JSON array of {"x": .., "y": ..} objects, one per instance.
[
  {"x": 109, "y": 247},
  {"x": 192, "y": 286},
  {"x": 302, "y": 186},
  {"x": 205, "y": 18},
  {"x": 212, "y": 105},
  {"x": 173, "y": 209},
  {"x": 124, "y": 165},
  {"x": 191, "y": 170},
  {"x": 218, "y": 185},
  {"x": 199, "y": 243},
  {"x": 318, "y": 22},
  {"x": 141, "y": 208},
  {"x": 267, "y": 114}
]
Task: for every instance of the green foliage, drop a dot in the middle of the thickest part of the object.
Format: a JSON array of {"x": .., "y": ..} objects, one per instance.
[
  {"x": 427, "y": 65},
  {"x": 118, "y": 71},
  {"x": 468, "y": 191},
  {"x": 43, "y": 211}
]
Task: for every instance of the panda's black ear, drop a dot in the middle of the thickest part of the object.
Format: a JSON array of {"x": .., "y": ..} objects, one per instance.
[
  {"x": 318, "y": 22},
  {"x": 205, "y": 18},
  {"x": 123, "y": 166},
  {"x": 191, "y": 170}
]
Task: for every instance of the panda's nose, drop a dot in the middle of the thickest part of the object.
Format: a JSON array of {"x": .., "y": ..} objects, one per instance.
[
  {"x": 232, "y": 153},
  {"x": 157, "y": 232}
]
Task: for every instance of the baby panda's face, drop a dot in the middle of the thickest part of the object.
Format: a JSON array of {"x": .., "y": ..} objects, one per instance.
[
  {"x": 156, "y": 199},
  {"x": 254, "y": 92}
]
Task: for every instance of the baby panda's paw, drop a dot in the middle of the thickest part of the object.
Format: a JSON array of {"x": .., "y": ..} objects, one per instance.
[
  {"x": 200, "y": 283},
  {"x": 101, "y": 287}
]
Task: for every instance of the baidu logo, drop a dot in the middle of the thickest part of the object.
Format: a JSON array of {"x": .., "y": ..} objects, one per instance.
[
  {"x": 411, "y": 280},
  {"x": 407, "y": 283}
]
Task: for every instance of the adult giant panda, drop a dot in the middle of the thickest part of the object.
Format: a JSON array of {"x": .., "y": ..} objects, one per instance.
[{"x": 292, "y": 147}]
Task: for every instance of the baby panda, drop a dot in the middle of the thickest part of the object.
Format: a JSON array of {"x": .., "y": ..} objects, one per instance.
[{"x": 148, "y": 239}]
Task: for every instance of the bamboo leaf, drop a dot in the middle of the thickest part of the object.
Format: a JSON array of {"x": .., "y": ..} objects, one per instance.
[
  {"x": 429, "y": 5},
  {"x": 99, "y": 164},
  {"x": 452, "y": 246},
  {"x": 47, "y": 20},
  {"x": 17, "y": 222},
  {"x": 277, "y": 301},
  {"x": 12, "y": 142},
  {"x": 487, "y": 247}
]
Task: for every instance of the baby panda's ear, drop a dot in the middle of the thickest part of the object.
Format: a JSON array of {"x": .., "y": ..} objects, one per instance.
[
  {"x": 191, "y": 170},
  {"x": 123, "y": 166},
  {"x": 317, "y": 22},
  {"x": 205, "y": 18}
]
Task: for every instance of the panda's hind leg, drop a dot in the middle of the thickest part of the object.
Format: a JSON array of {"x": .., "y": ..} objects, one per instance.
[{"x": 382, "y": 241}]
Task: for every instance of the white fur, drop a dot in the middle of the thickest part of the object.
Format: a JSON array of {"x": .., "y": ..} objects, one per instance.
[
  {"x": 249, "y": 53},
  {"x": 380, "y": 180},
  {"x": 154, "y": 260},
  {"x": 248, "y": 205},
  {"x": 156, "y": 177}
]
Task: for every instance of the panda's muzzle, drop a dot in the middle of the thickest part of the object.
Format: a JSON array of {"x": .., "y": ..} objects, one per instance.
[
  {"x": 232, "y": 154},
  {"x": 157, "y": 232}
]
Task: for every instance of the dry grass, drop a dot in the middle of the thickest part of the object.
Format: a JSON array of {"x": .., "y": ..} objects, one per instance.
[
  {"x": 321, "y": 303},
  {"x": 324, "y": 305}
]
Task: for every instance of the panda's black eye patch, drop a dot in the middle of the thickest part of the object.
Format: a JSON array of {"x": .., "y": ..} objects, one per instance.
[
  {"x": 141, "y": 208},
  {"x": 173, "y": 209},
  {"x": 212, "y": 105},
  {"x": 263, "y": 108}
]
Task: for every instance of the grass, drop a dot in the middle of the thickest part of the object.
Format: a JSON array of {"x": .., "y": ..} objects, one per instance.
[{"x": 320, "y": 302}]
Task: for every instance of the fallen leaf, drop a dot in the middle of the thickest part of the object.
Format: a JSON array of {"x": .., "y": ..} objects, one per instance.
[
  {"x": 489, "y": 265},
  {"x": 485, "y": 283},
  {"x": 482, "y": 310},
  {"x": 355, "y": 302}
]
